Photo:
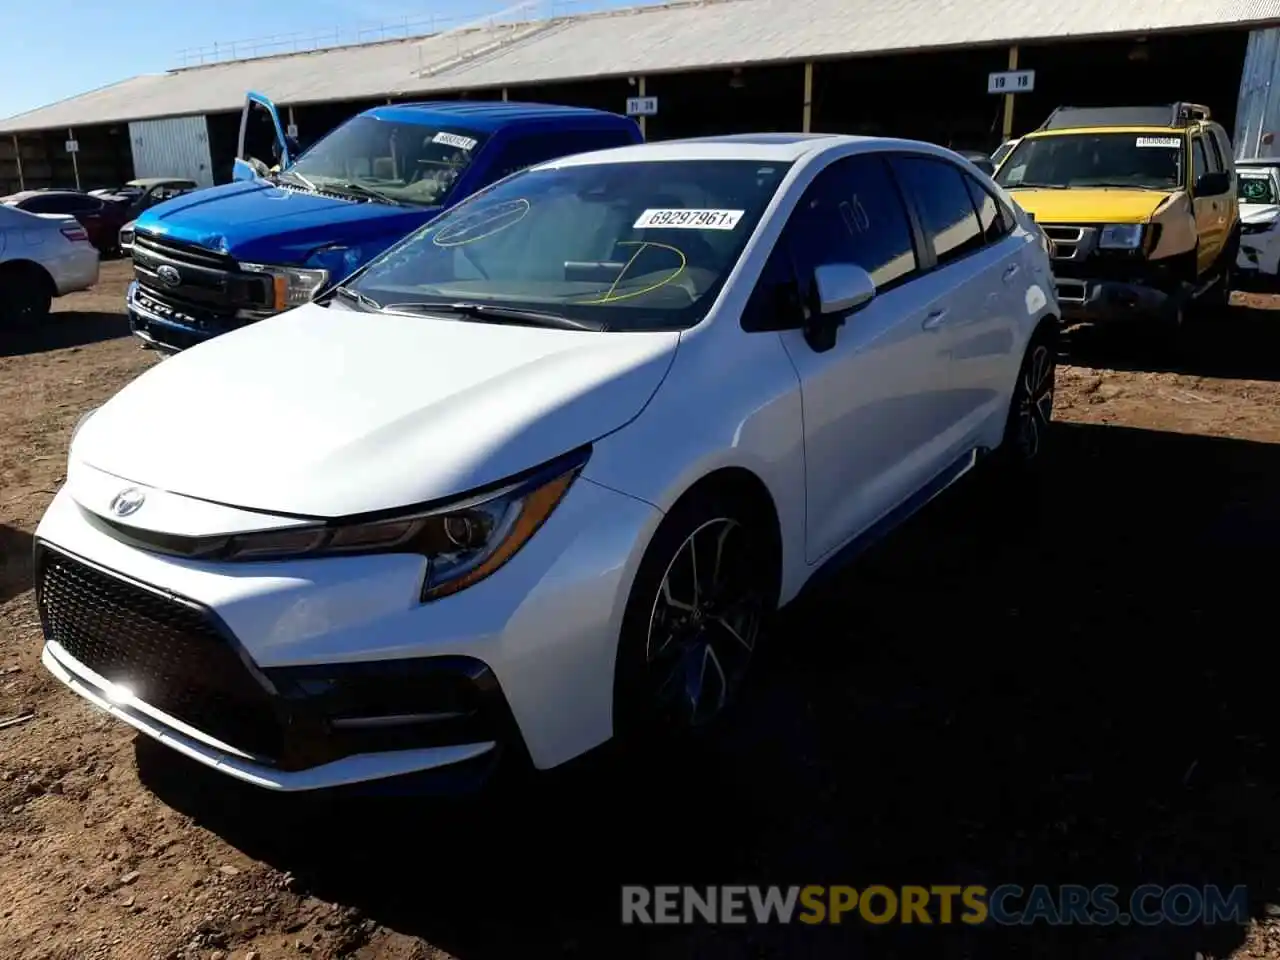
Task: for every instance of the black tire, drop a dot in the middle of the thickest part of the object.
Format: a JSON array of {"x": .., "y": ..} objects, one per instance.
[
  {"x": 26, "y": 294},
  {"x": 660, "y": 644},
  {"x": 1026, "y": 430}
]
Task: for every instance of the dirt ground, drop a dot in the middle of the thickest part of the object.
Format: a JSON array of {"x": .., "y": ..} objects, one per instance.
[{"x": 1078, "y": 690}]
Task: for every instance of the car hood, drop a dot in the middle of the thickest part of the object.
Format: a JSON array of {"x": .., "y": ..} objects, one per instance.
[
  {"x": 1091, "y": 204},
  {"x": 1259, "y": 212},
  {"x": 255, "y": 221},
  {"x": 328, "y": 412}
]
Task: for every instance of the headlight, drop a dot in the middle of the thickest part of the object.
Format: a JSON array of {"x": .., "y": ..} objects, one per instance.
[
  {"x": 1121, "y": 236},
  {"x": 464, "y": 541},
  {"x": 290, "y": 286}
]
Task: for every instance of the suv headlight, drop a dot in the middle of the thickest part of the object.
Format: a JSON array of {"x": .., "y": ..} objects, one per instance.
[
  {"x": 290, "y": 286},
  {"x": 1121, "y": 236},
  {"x": 464, "y": 541}
]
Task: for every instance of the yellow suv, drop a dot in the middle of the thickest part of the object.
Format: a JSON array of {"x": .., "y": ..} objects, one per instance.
[{"x": 1140, "y": 203}]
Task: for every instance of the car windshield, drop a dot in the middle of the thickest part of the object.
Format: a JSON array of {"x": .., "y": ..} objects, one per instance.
[
  {"x": 618, "y": 246},
  {"x": 403, "y": 162},
  {"x": 1257, "y": 188},
  {"x": 1152, "y": 161}
]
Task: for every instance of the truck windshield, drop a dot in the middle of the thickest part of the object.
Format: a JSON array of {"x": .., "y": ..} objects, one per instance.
[
  {"x": 1152, "y": 161},
  {"x": 406, "y": 162},
  {"x": 617, "y": 246}
]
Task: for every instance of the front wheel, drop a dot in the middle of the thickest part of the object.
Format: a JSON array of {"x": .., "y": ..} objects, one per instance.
[
  {"x": 694, "y": 619},
  {"x": 25, "y": 295}
]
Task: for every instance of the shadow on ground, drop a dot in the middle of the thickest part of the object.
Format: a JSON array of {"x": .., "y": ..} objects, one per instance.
[
  {"x": 61, "y": 330},
  {"x": 15, "y": 562},
  {"x": 1074, "y": 690},
  {"x": 1242, "y": 343}
]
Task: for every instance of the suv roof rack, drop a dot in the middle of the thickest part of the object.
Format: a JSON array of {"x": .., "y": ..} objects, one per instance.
[{"x": 1179, "y": 114}]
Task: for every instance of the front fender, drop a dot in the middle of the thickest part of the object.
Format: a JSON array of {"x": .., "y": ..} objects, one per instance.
[{"x": 755, "y": 423}]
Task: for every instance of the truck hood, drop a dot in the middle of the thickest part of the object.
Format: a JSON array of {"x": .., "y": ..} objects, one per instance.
[
  {"x": 255, "y": 221},
  {"x": 328, "y": 412},
  {"x": 1259, "y": 212},
  {"x": 1091, "y": 204}
]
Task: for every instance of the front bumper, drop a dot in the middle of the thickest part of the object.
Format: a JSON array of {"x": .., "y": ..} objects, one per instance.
[
  {"x": 1106, "y": 301},
  {"x": 326, "y": 673},
  {"x": 164, "y": 326}
]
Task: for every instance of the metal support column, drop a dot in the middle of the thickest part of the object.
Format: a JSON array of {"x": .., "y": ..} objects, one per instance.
[
  {"x": 1008, "y": 97},
  {"x": 75, "y": 163},
  {"x": 640, "y": 91},
  {"x": 808, "y": 97},
  {"x": 504, "y": 94},
  {"x": 17, "y": 155}
]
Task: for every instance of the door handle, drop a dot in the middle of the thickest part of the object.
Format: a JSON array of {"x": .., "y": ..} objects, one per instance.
[
  {"x": 1010, "y": 272},
  {"x": 934, "y": 320}
]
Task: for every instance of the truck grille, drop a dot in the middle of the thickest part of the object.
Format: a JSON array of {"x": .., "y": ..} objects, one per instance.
[
  {"x": 168, "y": 652},
  {"x": 192, "y": 279}
]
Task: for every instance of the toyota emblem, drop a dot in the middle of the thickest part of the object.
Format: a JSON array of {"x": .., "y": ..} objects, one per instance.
[
  {"x": 168, "y": 275},
  {"x": 127, "y": 501}
]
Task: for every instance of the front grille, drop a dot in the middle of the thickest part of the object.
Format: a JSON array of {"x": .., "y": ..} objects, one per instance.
[
  {"x": 167, "y": 652},
  {"x": 205, "y": 281}
]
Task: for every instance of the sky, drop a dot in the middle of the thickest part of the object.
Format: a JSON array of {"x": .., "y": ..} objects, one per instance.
[{"x": 91, "y": 43}]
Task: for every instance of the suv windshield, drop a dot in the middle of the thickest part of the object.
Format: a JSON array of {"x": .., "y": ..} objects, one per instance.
[
  {"x": 1152, "y": 161},
  {"x": 405, "y": 162},
  {"x": 620, "y": 246},
  {"x": 1257, "y": 188}
]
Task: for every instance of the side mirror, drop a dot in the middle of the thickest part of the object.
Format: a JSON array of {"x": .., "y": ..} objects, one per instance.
[
  {"x": 1213, "y": 184},
  {"x": 842, "y": 287},
  {"x": 838, "y": 289},
  {"x": 243, "y": 170}
]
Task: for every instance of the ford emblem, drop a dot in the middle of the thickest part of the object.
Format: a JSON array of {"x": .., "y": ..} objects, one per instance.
[
  {"x": 168, "y": 275},
  {"x": 127, "y": 501}
]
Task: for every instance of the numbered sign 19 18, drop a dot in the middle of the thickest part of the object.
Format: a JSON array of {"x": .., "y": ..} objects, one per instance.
[{"x": 1011, "y": 81}]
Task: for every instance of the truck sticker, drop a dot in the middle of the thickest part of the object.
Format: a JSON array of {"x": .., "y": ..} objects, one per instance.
[
  {"x": 454, "y": 140},
  {"x": 1166, "y": 142},
  {"x": 688, "y": 219}
]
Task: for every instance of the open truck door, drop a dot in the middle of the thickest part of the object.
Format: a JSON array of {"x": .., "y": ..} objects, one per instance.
[{"x": 263, "y": 143}]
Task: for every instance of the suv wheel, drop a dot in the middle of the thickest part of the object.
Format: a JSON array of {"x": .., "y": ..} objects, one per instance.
[{"x": 694, "y": 620}]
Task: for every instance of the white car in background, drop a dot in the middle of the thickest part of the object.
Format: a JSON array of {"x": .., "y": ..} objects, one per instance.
[
  {"x": 42, "y": 256},
  {"x": 534, "y": 476},
  {"x": 1259, "y": 198}
]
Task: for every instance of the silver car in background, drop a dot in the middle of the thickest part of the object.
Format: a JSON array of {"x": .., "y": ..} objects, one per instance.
[{"x": 42, "y": 256}]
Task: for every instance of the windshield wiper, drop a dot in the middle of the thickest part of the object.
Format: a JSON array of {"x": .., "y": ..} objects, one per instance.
[
  {"x": 1123, "y": 186},
  {"x": 494, "y": 313},
  {"x": 294, "y": 175},
  {"x": 372, "y": 194},
  {"x": 356, "y": 297},
  {"x": 1032, "y": 185}
]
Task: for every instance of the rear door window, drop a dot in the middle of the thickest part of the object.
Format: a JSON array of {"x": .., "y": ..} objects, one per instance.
[{"x": 946, "y": 210}]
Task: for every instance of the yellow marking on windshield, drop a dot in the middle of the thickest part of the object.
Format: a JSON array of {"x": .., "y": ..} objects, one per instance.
[{"x": 610, "y": 297}]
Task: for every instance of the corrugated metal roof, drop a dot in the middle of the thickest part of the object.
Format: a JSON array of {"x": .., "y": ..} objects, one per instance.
[{"x": 712, "y": 33}]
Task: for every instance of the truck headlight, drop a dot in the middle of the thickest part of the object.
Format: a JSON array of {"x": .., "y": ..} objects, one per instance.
[
  {"x": 1121, "y": 236},
  {"x": 290, "y": 286}
]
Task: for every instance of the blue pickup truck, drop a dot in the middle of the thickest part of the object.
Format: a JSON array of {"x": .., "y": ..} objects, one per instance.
[{"x": 218, "y": 259}]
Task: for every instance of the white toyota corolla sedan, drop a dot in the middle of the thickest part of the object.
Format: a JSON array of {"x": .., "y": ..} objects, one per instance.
[{"x": 533, "y": 477}]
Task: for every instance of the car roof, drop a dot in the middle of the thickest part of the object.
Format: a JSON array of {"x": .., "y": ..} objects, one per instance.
[
  {"x": 485, "y": 116},
  {"x": 761, "y": 147},
  {"x": 1124, "y": 128}
]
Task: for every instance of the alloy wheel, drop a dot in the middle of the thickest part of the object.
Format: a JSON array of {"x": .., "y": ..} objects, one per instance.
[
  {"x": 1035, "y": 401},
  {"x": 704, "y": 623}
]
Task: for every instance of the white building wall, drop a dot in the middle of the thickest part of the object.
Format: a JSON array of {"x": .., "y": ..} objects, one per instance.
[{"x": 172, "y": 147}]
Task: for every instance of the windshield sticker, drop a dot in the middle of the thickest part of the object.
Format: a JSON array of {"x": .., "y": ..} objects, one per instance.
[
  {"x": 1166, "y": 142},
  {"x": 454, "y": 140},
  {"x": 688, "y": 219},
  {"x": 468, "y": 227}
]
